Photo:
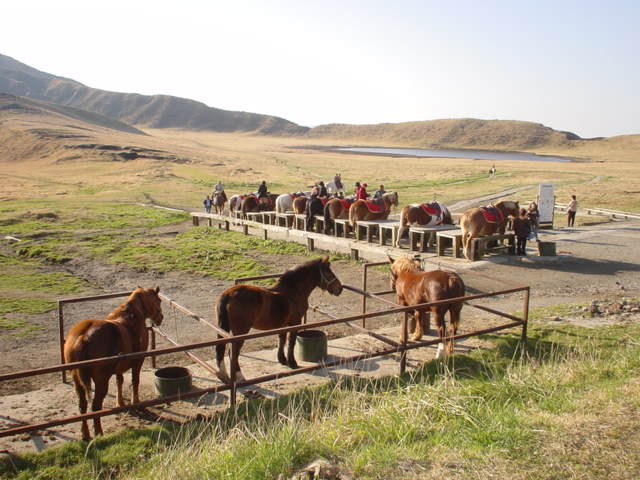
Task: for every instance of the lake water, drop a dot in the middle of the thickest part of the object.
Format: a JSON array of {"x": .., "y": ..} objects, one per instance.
[{"x": 473, "y": 154}]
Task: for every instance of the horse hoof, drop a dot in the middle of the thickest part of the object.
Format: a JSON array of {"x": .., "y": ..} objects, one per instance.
[
  {"x": 293, "y": 365},
  {"x": 282, "y": 360}
]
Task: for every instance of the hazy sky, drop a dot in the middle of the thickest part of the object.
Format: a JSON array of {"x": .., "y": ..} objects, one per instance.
[{"x": 571, "y": 65}]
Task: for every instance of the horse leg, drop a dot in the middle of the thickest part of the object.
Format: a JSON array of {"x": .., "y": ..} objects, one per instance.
[
  {"x": 119, "y": 382},
  {"x": 101, "y": 387},
  {"x": 135, "y": 381},
  {"x": 419, "y": 325},
  {"x": 82, "y": 405},
  {"x": 454, "y": 318},
  {"x": 235, "y": 364},
  {"x": 439, "y": 314},
  {"x": 290, "y": 346},
  {"x": 222, "y": 369},
  {"x": 282, "y": 338}
]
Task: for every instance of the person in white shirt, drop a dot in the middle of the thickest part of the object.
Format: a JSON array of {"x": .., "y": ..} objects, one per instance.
[{"x": 572, "y": 208}]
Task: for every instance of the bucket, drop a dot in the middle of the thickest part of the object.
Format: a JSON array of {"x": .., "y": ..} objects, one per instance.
[
  {"x": 171, "y": 381},
  {"x": 547, "y": 249},
  {"x": 311, "y": 345}
]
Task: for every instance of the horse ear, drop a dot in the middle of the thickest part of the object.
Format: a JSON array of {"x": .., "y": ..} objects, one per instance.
[
  {"x": 391, "y": 260},
  {"x": 325, "y": 259},
  {"x": 158, "y": 289}
]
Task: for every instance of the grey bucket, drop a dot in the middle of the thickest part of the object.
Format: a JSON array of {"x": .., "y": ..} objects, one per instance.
[
  {"x": 547, "y": 249},
  {"x": 171, "y": 381},
  {"x": 311, "y": 345}
]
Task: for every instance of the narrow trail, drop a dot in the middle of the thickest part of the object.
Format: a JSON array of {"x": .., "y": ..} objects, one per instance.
[{"x": 463, "y": 205}]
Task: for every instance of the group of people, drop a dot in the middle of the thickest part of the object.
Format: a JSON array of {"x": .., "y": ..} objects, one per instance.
[
  {"x": 360, "y": 192},
  {"x": 526, "y": 225},
  {"x": 218, "y": 189}
]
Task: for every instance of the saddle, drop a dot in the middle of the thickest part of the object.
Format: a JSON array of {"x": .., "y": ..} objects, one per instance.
[
  {"x": 345, "y": 203},
  {"x": 432, "y": 209},
  {"x": 375, "y": 207},
  {"x": 492, "y": 214}
]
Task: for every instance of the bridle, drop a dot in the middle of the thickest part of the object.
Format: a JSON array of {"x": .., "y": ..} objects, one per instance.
[{"x": 326, "y": 279}]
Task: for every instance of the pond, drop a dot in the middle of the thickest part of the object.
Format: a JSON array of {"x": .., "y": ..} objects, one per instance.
[{"x": 452, "y": 153}]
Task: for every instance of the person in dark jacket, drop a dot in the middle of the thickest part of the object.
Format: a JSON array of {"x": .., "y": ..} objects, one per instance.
[
  {"x": 322, "y": 189},
  {"x": 262, "y": 190},
  {"x": 522, "y": 229}
]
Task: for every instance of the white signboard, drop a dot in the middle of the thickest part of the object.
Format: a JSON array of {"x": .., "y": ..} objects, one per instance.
[{"x": 546, "y": 202}]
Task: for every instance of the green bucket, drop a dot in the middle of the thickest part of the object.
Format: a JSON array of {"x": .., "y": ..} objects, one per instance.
[
  {"x": 171, "y": 381},
  {"x": 547, "y": 249},
  {"x": 311, "y": 345}
]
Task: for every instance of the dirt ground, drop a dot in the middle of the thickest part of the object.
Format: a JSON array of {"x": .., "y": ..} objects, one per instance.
[{"x": 593, "y": 262}]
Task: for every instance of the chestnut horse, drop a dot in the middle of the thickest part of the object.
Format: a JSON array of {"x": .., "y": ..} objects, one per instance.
[
  {"x": 243, "y": 307},
  {"x": 474, "y": 224},
  {"x": 415, "y": 214},
  {"x": 300, "y": 205},
  {"x": 219, "y": 199},
  {"x": 360, "y": 211},
  {"x": 414, "y": 286},
  {"x": 123, "y": 331},
  {"x": 335, "y": 208}
]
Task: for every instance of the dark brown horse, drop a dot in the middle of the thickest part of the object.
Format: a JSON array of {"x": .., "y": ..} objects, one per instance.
[
  {"x": 336, "y": 208},
  {"x": 361, "y": 211},
  {"x": 300, "y": 204},
  {"x": 219, "y": 199},
  {"x": 414, "y": 286},
  {"x": 428, "y": 215},
  {"x": 123, "y": 331},
  {"x": 474, "y": 224},
  {"x": 243, "y": 307}
]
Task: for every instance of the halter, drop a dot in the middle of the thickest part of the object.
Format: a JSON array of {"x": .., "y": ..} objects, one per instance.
[{"x": 325, "y": 280}]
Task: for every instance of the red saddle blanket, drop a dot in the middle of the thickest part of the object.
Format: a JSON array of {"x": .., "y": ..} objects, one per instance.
[
  {"x": 345, "y": 203},
  {"x": 375, "y": 207},
  {"x": 492, "y": 214},
  {"x": 324, "y": 200},
  {"x": 432, "y": 208}
]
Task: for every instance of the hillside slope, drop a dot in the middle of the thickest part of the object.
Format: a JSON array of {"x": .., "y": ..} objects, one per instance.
[
  {"x": 156, "y": 111},
  {"x": 464, "y": 132}
]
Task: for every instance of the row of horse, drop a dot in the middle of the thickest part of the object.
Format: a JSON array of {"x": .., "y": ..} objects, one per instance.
[
  {"x": 239, "y": 309},
  {"x": 474, "y": 222}
]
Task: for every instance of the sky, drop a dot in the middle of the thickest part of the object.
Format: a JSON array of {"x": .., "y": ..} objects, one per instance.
[{"x": 571, "y": 65}]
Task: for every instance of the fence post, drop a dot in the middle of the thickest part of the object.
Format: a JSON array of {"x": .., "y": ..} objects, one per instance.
[
  {"x": 61, "y": 334},
  {"x": 403, "y": 343},
  {"x": 525, "y": 314},
  {"x": 153, "y": 347},
  {"x": 364, "y": 298}
]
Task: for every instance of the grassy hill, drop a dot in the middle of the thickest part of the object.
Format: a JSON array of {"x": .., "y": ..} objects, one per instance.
[
  {"x": 156, "y": 111},
  {"x": 462, "y": 133}
]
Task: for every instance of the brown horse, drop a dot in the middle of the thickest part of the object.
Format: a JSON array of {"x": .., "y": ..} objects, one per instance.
[
  {"x": 300, "y": 205},
  {"x": 336, "y": 208},
  {"x": 416, "y": 214},
  {"x": 243, "y": 307},
  {"x": 414, "y": 286},
  {"x": 360, "y": 211},
  {"x": 123, "y": 331},
  {"x": 219, "y": 199},
  {"x": 474, "y": 224}
]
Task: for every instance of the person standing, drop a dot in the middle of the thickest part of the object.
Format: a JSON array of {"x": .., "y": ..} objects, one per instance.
[
  {"x": 262, "y": 190},
  {"x": 572, "y": 208},
  {"x": 207, "y": 204},
  {"x": 534, "y": 218},
  {"x": 522, "y": 229},
  {"x": 337, "y": 181}
]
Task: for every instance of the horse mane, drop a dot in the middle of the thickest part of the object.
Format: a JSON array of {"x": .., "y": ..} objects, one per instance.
[
  {"x": 130, "y": 309},
  {"x": 404, "y": 264},
  {"x": 292, "y": 276}
]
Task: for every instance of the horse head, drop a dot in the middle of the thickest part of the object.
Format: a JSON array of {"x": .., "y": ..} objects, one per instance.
[
  {"x": 509, "y": 207},
  {"x": 147, "y": 304},
  {"x": 328, "y": 279},
  {"x": 403, "y": 264},
  {"x": 391, "y": 198}
]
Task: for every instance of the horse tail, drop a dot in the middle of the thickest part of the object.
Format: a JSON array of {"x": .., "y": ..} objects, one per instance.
[
  {"x": 327, "y": 215},
  {"x": 223, "y": 323},
  {"x": 456, "y": 285},
  {"x": 352, "y": 214},
  {"x": 81, "y": 376}
]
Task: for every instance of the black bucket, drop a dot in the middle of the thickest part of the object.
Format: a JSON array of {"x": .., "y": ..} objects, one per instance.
[
  {"x": 547, "y": 249},
  {"x": 171, "y": 381},
  {"x": 311, "y": 345}
]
